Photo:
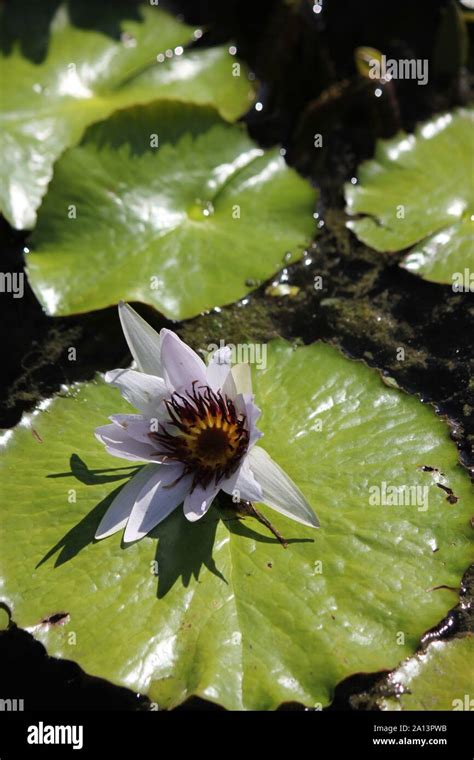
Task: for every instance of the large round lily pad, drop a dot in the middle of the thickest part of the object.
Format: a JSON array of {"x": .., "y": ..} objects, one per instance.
[
  {"x": 78, "y": 65},
  {"x": 226, "y": 612},
  {"x": 439, "y": 679},
  {"x": 418, "y": 193},
  {"x": 166, "y": 204}
]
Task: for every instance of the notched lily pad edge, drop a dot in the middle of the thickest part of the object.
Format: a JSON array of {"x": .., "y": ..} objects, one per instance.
[
  {"x": 398, "y": 255},
  {"x": 452, "y": 424},
  {"x": 360, "y": 690},
  {"x": 186, "y": 326},
  {"x": 220, "y": 110},
  {"x": 380, "y": 687}
]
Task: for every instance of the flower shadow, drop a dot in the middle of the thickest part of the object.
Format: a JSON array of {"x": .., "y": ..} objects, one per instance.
[
  {"x": 81, "y": 471},
  {"x": 240, "y": 527},
  {"x": 183, "y": 548},
  {"x": 82, "y": 534}
]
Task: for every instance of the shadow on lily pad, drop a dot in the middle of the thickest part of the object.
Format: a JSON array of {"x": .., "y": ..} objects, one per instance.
[
  {"x": 81, "y": 471},
  {"x": 81, "y": 535},
  {"x": 34, "y": 37},
  {"x": 192, "y": 543},
  {"x": 183, "y": 548}
]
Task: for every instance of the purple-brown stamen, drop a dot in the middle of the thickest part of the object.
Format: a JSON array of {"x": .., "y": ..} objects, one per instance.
[{"x": 208, "y": 435}]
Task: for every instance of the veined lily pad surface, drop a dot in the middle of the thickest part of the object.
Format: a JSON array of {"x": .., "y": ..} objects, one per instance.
[
  {"x": 219, "y": 608},
  {"x": 418, "y": 194},
  {"x": 166, "y": 204},
  {"x": 97, "y": 57},
  {"x": 439, "y": 679}
]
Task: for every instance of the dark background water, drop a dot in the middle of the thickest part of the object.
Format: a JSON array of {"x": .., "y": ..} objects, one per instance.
[{"x": 368, "y": 306}]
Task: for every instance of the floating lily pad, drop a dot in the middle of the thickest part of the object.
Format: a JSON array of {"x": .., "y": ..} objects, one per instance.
[
  {"x": 438, "y": 679},
  {"x": 219, "y": 608},
  {"x": 91, "y": 65},
  {"x": 180, "y": 226},
  {"x": 418, "y": 194},
  {"x": 4, "y": 619}
]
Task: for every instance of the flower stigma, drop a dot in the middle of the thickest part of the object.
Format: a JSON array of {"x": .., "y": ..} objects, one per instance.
[{"x": 207, "y": 434}]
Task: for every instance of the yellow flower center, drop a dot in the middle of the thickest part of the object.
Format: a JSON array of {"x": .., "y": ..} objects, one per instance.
[{"x": 205, "y": 433}]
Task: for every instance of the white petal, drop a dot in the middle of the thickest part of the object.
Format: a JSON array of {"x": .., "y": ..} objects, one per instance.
[
  {"x": 245, "y": 405},
  {"x": 219, "y": 367},
  {"x": 198, "y": 502},
  {"x": 144, "y": 392},
  {"x": 137, "y": 426},
  {"x": 229, "y": 388},
  {"x": 244, "y": 483},
  {"x": 181, "y": 365},
  {"x": 121, "y": 507},
  {"x": 279, "y": 491},
  {"x": 143, "y": 341},
  {"x": 242, "y": 375},
  {"x": 158, "y": 498},
  {"x": 120, "y": 444}
]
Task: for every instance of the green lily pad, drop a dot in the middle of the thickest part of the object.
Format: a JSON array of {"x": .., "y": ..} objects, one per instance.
[
  {"x": 438, "y": 679},
  {"x": 180, "y": 226},
  {"x": 91, "y": 65},
  {"x": 4, "y": 619},
  {"x": 418, "y": 193},
  {"x": 218, "y": 608}
]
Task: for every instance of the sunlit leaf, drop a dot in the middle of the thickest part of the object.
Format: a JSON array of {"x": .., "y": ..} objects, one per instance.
[
  {"x": 166, "y": 204},
  {"x": 219, "y": 608},
  {"x": 418, "y": 194},
  {"x": 62, "y": 72},
  {"x": 438, "y": 679}
]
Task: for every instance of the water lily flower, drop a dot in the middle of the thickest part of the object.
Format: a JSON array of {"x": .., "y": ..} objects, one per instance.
[{"x": 196, "y": 432}]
